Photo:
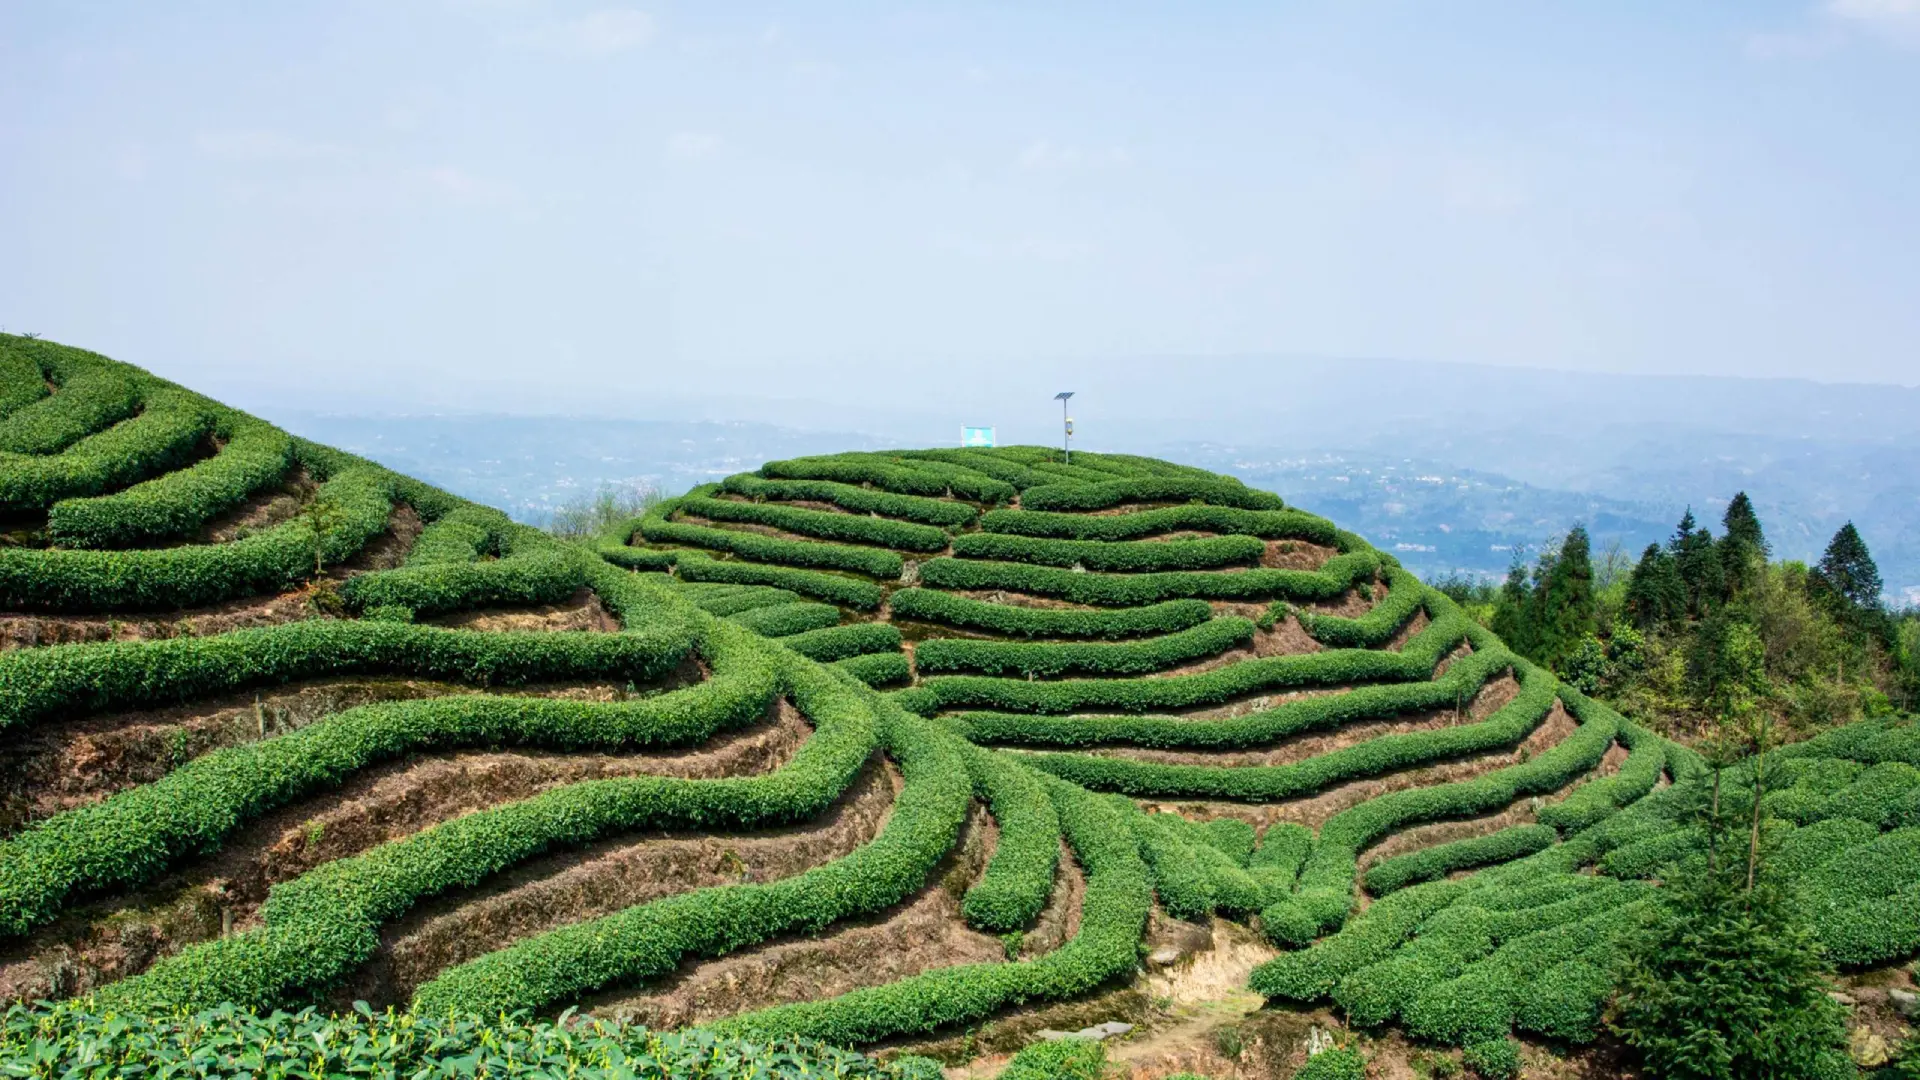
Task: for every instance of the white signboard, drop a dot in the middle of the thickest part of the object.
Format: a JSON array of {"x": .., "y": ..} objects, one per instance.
[{"x": 976, "y": 436}]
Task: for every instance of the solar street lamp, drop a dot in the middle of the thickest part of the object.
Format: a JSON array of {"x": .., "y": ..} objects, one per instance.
[{"x": 1066, "y": 422}]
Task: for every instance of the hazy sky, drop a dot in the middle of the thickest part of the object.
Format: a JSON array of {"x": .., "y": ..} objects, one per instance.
[{"x": 396, "y": 194}]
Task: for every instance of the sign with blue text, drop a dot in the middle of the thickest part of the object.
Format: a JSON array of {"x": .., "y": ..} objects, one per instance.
[{"x": 976, "y": 436}]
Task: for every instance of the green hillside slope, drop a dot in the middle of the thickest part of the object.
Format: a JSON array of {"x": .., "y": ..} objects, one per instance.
[{"x": 853, "y": 748}]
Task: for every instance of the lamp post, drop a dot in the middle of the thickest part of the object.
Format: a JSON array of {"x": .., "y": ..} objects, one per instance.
[{"x": 1066, "y": 424}]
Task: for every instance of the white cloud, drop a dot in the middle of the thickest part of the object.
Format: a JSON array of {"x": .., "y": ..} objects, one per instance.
[
  {"x": 1044, "y": 155},
  {"x": 692, "y": 145},
  {"x": 262, "y": 146},
  {"x": 597, "y": 33}
]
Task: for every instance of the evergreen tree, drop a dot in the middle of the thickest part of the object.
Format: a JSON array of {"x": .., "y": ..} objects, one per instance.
[
  {"x": 1513, "y": 611},
  {"x": 1743, "y": 547},
  {"x": 1656, "y": 597},
  {"x": 1568, "y": 607},
  {"x": 1698, "y": 561},
  {"x": 1847, "y": 575}
]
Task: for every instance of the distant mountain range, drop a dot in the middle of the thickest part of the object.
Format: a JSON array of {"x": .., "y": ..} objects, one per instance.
[{"x": 1452, "y": 466}]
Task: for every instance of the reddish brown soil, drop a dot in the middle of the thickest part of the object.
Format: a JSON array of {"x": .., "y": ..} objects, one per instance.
[
  {"x": 106, "y": 941},
  {"x": 1408, "y": 632},
  {"x": 926, "y": 932},
  {"x": 1296, "y": 555},
  {"x": 262, "y": 510},
  {"x": 581, "y": 611}
]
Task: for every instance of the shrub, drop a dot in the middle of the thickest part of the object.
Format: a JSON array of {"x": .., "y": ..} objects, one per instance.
[
  {"x": 771, "y": 549},
  {"x": 834, "y": 589},
  {"x": 160, "y": 438},
  {"x": 854, "y": 528},
  {"x": 1334, "y": 1064},
  {"x": 1221, "y": 491},
  {"x": 92, "y": 394},
  {"x": 932, "y": 606},
  {"x": 951, "y": 515},
  {"x": 781, "y": 620},
  {"x": 1019, "y": 877},
  {"x": 1135, "y": 556},
  {"x": 1134, "y": 589},
  {"x": 1062, "y": 1059},
  {"x": 1442, "y": 859},
  {"x": 1265, "y": 524},
  {"x": 1494, "y": 1059},
  {"x": 1053, "y": 658}
]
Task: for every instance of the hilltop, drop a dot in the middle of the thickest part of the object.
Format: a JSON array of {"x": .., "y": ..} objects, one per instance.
[{"x": 922, "y": 750}]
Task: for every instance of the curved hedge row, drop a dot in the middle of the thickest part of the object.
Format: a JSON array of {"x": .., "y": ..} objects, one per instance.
[
  {"x": 651, "y": 939},
  {"x": 21, "y": 382},
  {"x": 93, "y": 394},
  {"x": 1405, "y": 595},
  {"x": 1326, "y": 881},
  {"x": 898, "y": 475},
  {"x": 840, "y": 642},
  {"x": 1260, "y": 728},
  {"x": 1129, "y": 590},
  {"x": 1100, "y": 496},
  {"x": 132, "y": 836},
  {"x": 1133, "y": 556},
  {"x": 178, "y": 504},
  {"x": 197, "y": 575},
  {"x": 931, "y": 605},
  {"x": 168, "y": 432},
  {"x": 877, "y": 669},
  {"x": 925, "y": 511},
  {"x": 834, "y": 589},
  {"x": 1019, "y": 877},
  {"x": 540, "y": 576},
  {"x": 1184, "y": 691},
  {"x": 1210, "y": 638},
  {"x": 1391, "y": 875},
  {"x": 782, "y": 620},
  {"x": 322, "y": 924},
  {"x": 1113, "y": 915},
  {"x": 874, "y": 562},
  {"x": 825, "y": 524},
  {"x": 1265, "y": 524},
  {"x": 1270, "y": 783}
]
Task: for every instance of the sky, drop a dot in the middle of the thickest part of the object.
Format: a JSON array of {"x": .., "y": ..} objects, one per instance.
[{"x": 516, "y": 202}]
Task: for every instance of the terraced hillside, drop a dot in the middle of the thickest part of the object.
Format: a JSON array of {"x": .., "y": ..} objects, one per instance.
[{"x": 861, "y": 748}]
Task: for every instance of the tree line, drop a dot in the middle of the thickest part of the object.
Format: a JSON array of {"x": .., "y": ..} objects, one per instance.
[{"x": 1701, "y": 616}]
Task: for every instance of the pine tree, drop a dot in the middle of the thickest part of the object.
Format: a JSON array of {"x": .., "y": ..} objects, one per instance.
[
  {"x": 1697, "y": 560},
  {"x": 1743, "y": 548},
  {"x": 1656, "y": 597},
  {"x": 1568, "y": 607},
  {"x": 1849, "y": 582},
  {"x": 1513, "y": 610}
]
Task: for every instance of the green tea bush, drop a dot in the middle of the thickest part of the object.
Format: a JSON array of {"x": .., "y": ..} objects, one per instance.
[
  {"x": 1334, "y": 1064},
  {"x": 834, "y": 589},
  {"x": 1440, "y": 860},
  {"x": 163, "y": 436},
  {"x": 1019, "y": 877},
  {"x": 1265, "y": 524},
  {"x": 772, "y": 549},
  {"x": 1078, "y": 658},
  {"x": 197, "y": 575},
  {"x": 1063, "y": 1059},
  {"x": 930, "y": 605},
  {"x": 322, "y": 924},
  {"x": 178, "y": 504},
  {"x": 1131, "y": 556},
  {"x": 539, "y": 576},
  {"x": 21, "y": 382},
  {"x": 877, "y": 669},
  {"x": 228, "y": 1043},
  {"x": 1330, "y": 581},
  {"x": 1405, "y": 595},
  {"x": 92, "y": 394},
  {"x": 840, "y": 642},
  {"x": 827, "y": 525},
  {"x": 902, "y": 476},
  {"x": 782, "y": 620},
  {"x": 860, "y": 500},
  {"x": 1099, "y": 496}
]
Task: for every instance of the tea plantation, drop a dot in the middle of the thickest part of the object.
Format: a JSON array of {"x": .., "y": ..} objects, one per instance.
[{"x": 843, "y": 751}]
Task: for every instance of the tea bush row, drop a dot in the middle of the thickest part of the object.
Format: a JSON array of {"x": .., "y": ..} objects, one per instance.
[
  {"x": 1081, "y": 497},
  {"x": 178, "y": 504},
  {"x": 1019, "y": 877},
  {"x": 1044, "y": 659},
  {"x": 823, "y": 524},
  {"x": 1131, "y": 590},
  {"x": 931, "y": 605},
  {"x": 772, "y": 549},
  {"x": 1397, "y": 873},
  {"x": 92, "y": 394},
  {"x": 834, "y": 589},
  {"x": 860, "y": 500},
  {"x": 167, "y": 433},
  {"x": 1126, "y": 556},
  {"x": 1378, "y": 625},
  {"x": 1265, "y": 524}
]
